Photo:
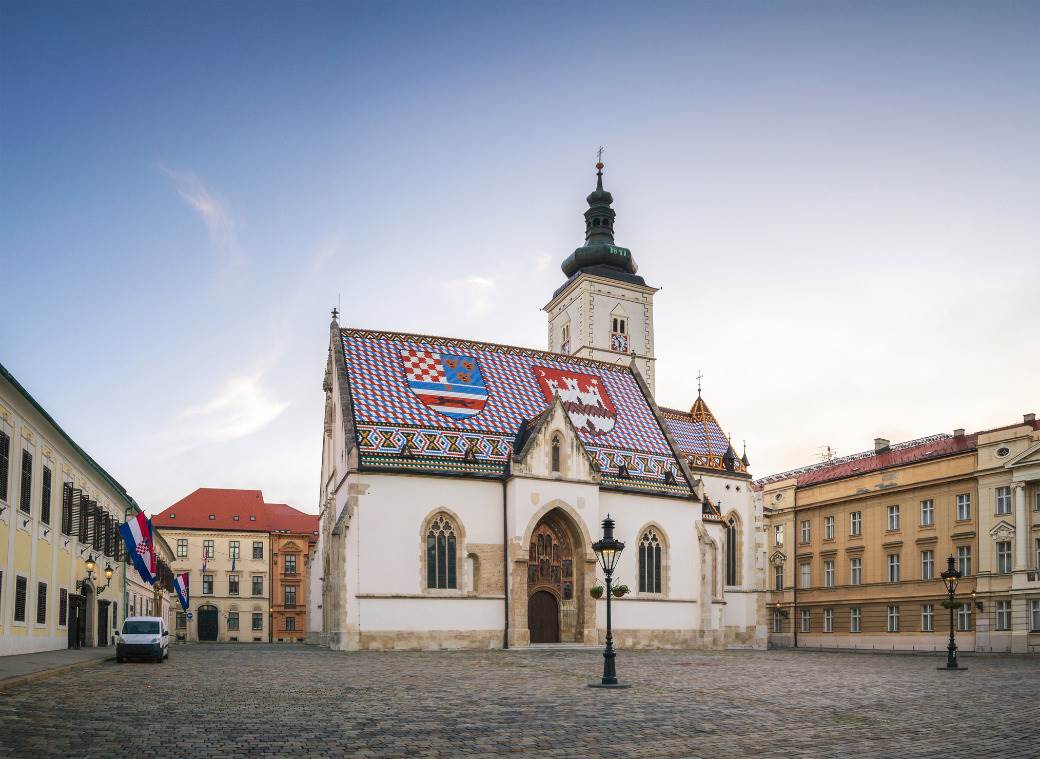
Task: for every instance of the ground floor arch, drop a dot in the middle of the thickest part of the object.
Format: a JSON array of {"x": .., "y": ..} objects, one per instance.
[{"x": 207, "y": 622}]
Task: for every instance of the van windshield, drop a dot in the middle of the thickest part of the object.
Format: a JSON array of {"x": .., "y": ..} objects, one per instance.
[{"x": 140, "y": 627}]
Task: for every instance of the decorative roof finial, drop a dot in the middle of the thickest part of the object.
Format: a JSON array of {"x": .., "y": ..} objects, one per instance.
[
  {"x": 599, "y": 159},
  {"x": 699, "y": 378},
  {"x": 335, "y": 314}
]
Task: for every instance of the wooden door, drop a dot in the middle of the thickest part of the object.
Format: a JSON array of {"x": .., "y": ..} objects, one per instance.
[
  {"x": 543, "y": 617},
  {"x": 102, "y": 623},
  {"x": 77, "y": 621},
  {"x": 207, "y": 623}
]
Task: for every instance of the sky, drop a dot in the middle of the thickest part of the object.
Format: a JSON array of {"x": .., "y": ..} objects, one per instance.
[{"x": 839, "y": 203}]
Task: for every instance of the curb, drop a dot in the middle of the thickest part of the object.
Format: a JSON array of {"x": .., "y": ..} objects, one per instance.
[{"x": 43, "y": 674}]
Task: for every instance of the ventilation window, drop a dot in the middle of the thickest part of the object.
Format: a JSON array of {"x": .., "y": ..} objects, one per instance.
[
  {"x": 252, "y": 517},
  {"x": 235, "y": 518},
  {"x": 1002, "y": 452},
  {"x": 173, "y": 516},
  {"x": 212, "y": 517}
]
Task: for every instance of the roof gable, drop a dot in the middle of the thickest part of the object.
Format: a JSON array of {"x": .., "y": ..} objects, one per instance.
[
  {"x": 701, "y": 439},
  {"x": 443, "y": 405}
]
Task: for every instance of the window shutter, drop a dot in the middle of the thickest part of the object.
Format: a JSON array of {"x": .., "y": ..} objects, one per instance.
[
  {"x": 45, "y": 505},
  {"x": 63, "y": 606},
  {"x": 79, "y": 515},
  {"x": 41, "y": 603},
  {"x": 5, "y": 463},
  {"x": 19, "y": 599},
  {"x": 108, "y": 534},
  {"x": 88, "y": 522},
  {"x": 66, "y": 508},
  {"x": 26, "y": 492}
]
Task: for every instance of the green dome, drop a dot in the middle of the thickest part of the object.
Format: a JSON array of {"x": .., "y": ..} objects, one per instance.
[{"x": 599, "y": 250}]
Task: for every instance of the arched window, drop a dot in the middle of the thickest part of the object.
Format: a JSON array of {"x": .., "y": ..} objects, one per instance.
[
  {"x": 440, "y": 554},
  {"x": 555, "y": 455},
  {"x": 731, "y": 551},
  {"x": 650, "y": 562}
]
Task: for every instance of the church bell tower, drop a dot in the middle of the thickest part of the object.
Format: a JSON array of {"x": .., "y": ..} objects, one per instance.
[{"x": 604, "y": 310}]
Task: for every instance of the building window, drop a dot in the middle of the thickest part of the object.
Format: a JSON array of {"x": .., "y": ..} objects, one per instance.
[
  {"x": 963, "y": 506},
  {"x": 1004, "y": 557},
  {"x": 233, "y": 552},
  {"x": 1003, "y": 615},
  {"x": 207, "y": 549},
  {"x": 207, "y": 585},
  {"x": 855, "y": 619},
  {"x": 806, "y": 531},
  {"x": 41, "y": 603},
  {"x": 927, "y": 512},
  {"x": 290, "y": 624},
  {"x": 290, "y": 596},
  {"x": 5, "y": 463},
  {"x": 964, "y": 618},
  {"x": 20, "y": 591},
  {"x": 25, "y": 494},
  {"x": 258, "y": 620},
  {"x": 893, "y": 619},
  {"x": 650, "y": 562},
  {"x": 440, "y": 554},
  {"x": 778, "y": 577},
  {"x": 806, "y": 621},
  {"x": 1037, "y": 552},
  {"x": 828, "y": 573},
  {"x": 258, "y": 549},
  {"x": 778, "y": 535},
  {"x": 806, "y": 570},
  {"x": 565, "y": 338},
  {"x": 182, "y": 621},
  {"x": 927, "y": 618},
  {"x": 182, "y": 548},
  {"x": 45, "y": 500},
  {"x": 856, "y": 571},
  {"x": 63, "y": 606},
  {"x": 258, "y": 585},
  {"x": 893, "y": 567},
  {"x": 1004, "y": 500},
  {"x": 777, "y": 624},
  {"x": 232, "y": 621},
  {"x": 1034, "y": 614},
  {"x": 927, "y": 565},
  {"x": 290, "y": 564},
  {"x": 731, "y": 552},
  {"x": 893, "y": 517},
  {"x": 828, "y": 528},
  {"x": 856, "y": 522},
  {"x": 964, "y": 560},
  {"x": 232, "y": 585},
  {"x": 828, "y": 620}
]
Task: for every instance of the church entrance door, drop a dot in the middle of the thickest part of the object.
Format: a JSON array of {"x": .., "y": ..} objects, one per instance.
[{"x": 543, "y": 617}]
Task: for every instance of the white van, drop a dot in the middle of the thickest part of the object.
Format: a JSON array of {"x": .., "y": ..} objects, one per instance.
[{"x": 143, "y": 638}]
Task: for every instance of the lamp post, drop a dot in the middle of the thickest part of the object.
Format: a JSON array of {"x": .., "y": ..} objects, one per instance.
[
  {"x": 608, "y": 551},
  {"x": 950, "y": 578}
]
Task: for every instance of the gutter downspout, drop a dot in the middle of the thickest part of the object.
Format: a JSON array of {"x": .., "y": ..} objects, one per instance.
[
  {"x": 505, "y": 564},
  {"x": 795, "y": 572}
]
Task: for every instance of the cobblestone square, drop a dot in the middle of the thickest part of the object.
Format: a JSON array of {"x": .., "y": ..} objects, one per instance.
[{"x": 270, "y": 700}]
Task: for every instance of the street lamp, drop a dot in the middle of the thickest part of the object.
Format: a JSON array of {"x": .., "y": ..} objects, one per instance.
[
  {"x": 608, "y": 551},
  {"x": 90, "y": 564},
  {"x": 950, "y": 579}
]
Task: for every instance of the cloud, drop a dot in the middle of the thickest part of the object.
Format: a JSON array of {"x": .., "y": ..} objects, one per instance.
[
  {"x": 473, "y": 295},
  {"x": 219, "y": 222},
  {"x": 240, "y": 407}
]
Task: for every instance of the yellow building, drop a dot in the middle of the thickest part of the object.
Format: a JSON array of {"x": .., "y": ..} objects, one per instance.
[
  {"x": 856, "y": 546},
  {"x": 58, "y": 510}
]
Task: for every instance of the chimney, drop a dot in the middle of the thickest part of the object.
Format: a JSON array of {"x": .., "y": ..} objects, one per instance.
[
  {"x": 880, "y": 445},
  {"x": 1026, "y": 418},
  {"x": 959, "y": 432}
]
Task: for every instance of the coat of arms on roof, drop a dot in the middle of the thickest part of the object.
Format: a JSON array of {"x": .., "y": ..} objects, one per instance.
[
  {"x": 583, "y": 395},
  {"x": 447, "y": 383}
]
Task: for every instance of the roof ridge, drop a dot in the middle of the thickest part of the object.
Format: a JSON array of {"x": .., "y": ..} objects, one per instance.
[{"x": 497, "y": 347}]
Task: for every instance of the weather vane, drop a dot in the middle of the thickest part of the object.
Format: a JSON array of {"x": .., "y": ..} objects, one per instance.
[{"x": 699, "y": 378}]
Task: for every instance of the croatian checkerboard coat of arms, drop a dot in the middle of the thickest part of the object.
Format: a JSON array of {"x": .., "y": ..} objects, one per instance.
[
  {"x": 445, "y": 382},
  {"x": 583, "y": 396}
]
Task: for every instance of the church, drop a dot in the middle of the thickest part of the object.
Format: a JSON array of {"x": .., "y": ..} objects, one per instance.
[{"x": 463, "y": 484}]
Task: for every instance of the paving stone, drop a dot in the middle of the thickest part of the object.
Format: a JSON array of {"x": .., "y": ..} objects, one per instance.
[{"x": 299, "y": 701}]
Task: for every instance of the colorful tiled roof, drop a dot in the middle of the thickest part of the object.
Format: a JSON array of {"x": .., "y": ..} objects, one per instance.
[
  {"x": 442, "y": 405},
  {"x": 701, "y": 439},
  {"x": 900, "y": 454},
  {"x": 233, "y": 509}
]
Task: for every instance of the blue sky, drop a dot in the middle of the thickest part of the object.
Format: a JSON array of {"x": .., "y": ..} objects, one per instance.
[{"x": 839, "y": 202}]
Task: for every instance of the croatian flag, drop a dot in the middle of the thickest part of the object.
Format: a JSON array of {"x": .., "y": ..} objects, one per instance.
[
  {"x": 137, "y": 534},
  {"x": 180, "y": 584}
]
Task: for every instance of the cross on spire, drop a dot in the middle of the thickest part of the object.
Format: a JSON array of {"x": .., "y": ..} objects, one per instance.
[
  {"x": 699, "y": 378},
  {"x": 599, "y": 154}
]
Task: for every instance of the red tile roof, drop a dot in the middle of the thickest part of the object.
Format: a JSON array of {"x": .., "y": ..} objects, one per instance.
[{"x": 234, "y": 510}]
